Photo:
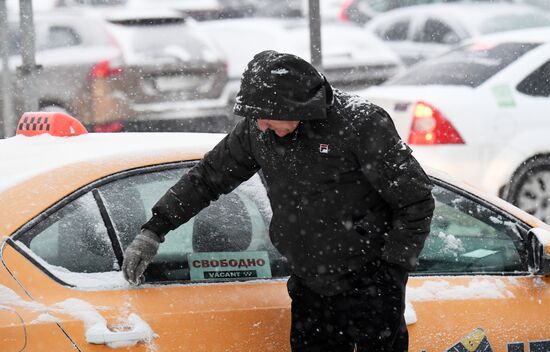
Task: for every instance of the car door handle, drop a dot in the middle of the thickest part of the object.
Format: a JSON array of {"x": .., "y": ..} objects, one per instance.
[{"x": 99, "y": 334}]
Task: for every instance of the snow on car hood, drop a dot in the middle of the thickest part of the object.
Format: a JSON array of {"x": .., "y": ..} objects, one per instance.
[{"x": 22, "y": 158}]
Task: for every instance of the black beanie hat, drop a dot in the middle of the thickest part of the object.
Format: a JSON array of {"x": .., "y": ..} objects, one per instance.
[{"x": 279, "y": 86}]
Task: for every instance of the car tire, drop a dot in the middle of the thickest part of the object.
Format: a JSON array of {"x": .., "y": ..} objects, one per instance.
[{"x": 530, "y": 187}]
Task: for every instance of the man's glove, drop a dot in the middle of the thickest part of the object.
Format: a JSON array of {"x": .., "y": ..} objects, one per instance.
[{"x": 139, "y": 255}]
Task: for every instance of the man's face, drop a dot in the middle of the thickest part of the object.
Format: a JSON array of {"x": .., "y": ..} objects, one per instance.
[{"x": 281, "y": 128}]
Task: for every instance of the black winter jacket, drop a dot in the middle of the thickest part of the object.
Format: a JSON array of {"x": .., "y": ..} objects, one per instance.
[{"x": 345, "y": 191}]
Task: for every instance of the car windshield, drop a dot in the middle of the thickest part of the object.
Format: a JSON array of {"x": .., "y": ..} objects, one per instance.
[
  {"x": 160, "y": 37},
  {"x": 469, "y": 65},
  {"x": 514, "y": 21}
]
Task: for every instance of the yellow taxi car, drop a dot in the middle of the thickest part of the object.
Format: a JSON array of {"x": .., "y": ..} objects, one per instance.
[{"x": 70, "y": 205}]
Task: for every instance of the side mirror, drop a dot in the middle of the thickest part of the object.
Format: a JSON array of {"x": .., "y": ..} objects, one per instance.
[{"x": 538, "y": 241}]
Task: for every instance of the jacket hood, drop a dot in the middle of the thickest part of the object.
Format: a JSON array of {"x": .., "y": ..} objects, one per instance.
[{"x": 278, "y": 86}]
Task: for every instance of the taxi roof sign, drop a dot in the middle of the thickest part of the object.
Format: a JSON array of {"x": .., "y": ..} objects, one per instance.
[{"x": 54, "y": 123}]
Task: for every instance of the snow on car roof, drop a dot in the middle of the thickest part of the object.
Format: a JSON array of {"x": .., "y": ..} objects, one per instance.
[
  {"x": 531, "y": 35},
  {"x": 467, "y": 10},
  {"x": 22, "y": 158},
  {"x": 64, "y": 164},
  {"x": 470, "y": 15}
]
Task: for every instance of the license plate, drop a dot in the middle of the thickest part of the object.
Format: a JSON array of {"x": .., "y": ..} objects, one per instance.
[{"x": 176, "y": 83}]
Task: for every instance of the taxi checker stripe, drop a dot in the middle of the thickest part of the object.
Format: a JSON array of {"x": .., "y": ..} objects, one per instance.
[{"x": 33, "y": 126}]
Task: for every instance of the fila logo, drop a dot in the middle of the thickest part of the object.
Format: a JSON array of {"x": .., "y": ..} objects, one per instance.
[{"x": 323, "y": 148}]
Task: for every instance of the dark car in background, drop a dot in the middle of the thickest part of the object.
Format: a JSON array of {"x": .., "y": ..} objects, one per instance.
[{"x": 132, "y": 70}]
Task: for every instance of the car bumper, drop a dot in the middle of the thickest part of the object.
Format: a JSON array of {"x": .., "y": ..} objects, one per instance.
[
  {"x": 180, "y": 110},
  {"x": 206, "y": 115}
]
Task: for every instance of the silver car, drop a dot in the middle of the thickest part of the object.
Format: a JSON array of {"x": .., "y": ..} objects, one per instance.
[
  {"x": 419, "y": 32},
  {"x": 131, "y": 70}
]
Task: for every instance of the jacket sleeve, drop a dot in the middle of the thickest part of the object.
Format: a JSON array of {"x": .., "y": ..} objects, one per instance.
[
  {"x": 397, "y": 176},
  {"x": 230, "y": 163}
]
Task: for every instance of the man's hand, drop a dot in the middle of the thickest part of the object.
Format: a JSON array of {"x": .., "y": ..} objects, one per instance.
[{"x": 139, "y": 255}]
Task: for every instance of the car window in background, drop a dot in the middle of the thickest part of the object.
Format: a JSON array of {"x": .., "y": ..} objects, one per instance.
[
  {"x": 511, "y": 22},
  {"x": 469, "y": 65},
  {"x": 396, "y": 31},
  {"x": 74, "y": 238},
  {"x": 227, "y": 240},
  {"x": 467, "y": 237},
  {"x": 537, "y": 83},
  {"x": 60, "y": 37},
  {"x": 436, "y": 31}
]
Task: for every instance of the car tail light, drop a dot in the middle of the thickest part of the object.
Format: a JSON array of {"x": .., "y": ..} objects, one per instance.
[
  {"x": 109, "y": 127},
  {"x": 343, "y": 15},
  {"x": 430, "y": 127},
  {"x": 104, "y": 69}
]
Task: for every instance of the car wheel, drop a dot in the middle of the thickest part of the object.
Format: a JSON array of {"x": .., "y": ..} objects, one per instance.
[{"x": 530, "y": 188}]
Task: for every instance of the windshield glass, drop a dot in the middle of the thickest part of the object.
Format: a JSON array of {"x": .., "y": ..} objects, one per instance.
[
  {"x": 511, "y": 22},
  {"x": 469, "y": 65},
  {"x": 160, "y": 37}
]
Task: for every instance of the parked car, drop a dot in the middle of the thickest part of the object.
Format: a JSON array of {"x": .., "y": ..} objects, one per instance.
[
  {"x": 127, "y": 70},
  {"x": 419, "y": 32},
  {"x": 362, "y": 11},
  {"x": 217, "y": 283},
  {"x": 351, "y": 57},
  {"x": 480, "y": 112}
]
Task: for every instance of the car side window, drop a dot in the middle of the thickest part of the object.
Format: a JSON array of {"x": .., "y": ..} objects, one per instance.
[
  {"x": 468, "y": 237},
  {"x": 73, "y": 238},
  {"x": 60, "y": 37},
  {"x": 537, "y": 83},
  {"x": 436, "y": 31},
  {"x": 228, "y": 240},
  {"x": 397, "y": 30}
]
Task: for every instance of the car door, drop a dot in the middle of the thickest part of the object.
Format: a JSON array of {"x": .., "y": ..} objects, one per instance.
[
  {"x": 396, "y": 33},
  {"x": 472, "y": 290},
  {"x": 532, "y": 98},
  {"x": 216, "y": 283},
  {"x": 522, "y": 122}
]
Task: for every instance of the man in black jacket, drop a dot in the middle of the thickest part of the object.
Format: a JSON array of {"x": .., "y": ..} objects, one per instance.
[{"x": 351, "y": 206}]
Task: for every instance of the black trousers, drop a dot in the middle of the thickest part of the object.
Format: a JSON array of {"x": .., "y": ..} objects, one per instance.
[{"x": 367, "y": 318}]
